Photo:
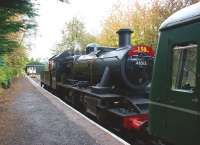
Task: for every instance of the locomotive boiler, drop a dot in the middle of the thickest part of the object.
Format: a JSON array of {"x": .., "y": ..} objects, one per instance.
[
  {"x": 109, "y": 83},
  {"x": 106, "y": 68}
]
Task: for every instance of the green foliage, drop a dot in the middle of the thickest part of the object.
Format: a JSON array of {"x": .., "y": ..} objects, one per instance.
[
  {"x": 5, "y": 72},
  {"x": 33, "y": 61},
  {"x": 14, "y": 16},
  {"x": 24, "y": 7},
  {"x": 7, "y": 45}
]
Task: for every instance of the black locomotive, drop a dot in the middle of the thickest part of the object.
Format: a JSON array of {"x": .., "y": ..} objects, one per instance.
[{"x": 108, "y": 83}]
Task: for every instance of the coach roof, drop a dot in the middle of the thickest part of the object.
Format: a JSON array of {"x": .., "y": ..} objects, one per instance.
[{"x": 185, "y": 15}]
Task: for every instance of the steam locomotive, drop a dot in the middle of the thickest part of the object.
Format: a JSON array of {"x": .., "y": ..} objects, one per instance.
[{"x": 111, "y": 84}]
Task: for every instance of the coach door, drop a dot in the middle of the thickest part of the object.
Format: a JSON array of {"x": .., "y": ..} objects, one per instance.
[{"x": 183, "y": 100}]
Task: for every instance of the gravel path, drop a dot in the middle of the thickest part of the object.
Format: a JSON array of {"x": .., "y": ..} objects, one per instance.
[{"x": 29, "y": 116}]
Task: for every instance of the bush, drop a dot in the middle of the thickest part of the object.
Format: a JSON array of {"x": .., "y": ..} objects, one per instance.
[{"x": 5, "y": 77}]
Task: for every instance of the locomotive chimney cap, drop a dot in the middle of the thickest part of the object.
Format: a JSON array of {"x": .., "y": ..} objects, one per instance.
[
  {"x": 124, "y": 30},
  {"x": 124, "y": 37}
]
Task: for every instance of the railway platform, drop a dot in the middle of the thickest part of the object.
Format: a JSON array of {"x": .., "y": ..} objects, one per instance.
[{"x": 29, "y": 115}]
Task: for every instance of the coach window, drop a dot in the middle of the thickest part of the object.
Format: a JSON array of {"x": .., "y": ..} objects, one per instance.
[{"x": 184, "y": 67}]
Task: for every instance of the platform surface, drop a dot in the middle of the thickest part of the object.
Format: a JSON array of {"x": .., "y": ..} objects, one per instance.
[{"x": 29, "y": 115}]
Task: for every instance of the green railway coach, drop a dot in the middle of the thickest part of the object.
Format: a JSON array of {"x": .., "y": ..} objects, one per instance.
[{"x": 175, "y": 92}]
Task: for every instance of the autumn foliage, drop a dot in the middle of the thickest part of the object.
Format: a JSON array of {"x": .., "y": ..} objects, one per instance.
[{"x": 144, "y": 18}]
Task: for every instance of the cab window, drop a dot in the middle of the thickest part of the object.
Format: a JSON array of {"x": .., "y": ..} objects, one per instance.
[{"x": 184, "y": 67}]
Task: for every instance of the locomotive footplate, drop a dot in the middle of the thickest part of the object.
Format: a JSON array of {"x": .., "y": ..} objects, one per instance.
[{"x": 89, "y": 92}]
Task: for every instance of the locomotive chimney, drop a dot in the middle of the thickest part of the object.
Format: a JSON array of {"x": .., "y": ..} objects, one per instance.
[{"x": 124, "y": 37}]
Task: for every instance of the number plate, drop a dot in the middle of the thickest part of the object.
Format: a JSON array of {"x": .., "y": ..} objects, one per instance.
[{"x": 140, "y": 62}]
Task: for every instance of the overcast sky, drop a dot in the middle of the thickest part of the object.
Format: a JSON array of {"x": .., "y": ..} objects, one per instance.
[{"x": 54, "y": 14}]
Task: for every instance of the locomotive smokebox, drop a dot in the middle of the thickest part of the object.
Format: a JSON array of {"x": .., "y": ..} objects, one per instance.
[{"x": 124, "y": 37}]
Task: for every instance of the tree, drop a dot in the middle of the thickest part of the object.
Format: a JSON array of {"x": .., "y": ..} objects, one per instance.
[
  {"x": 15, "y": 18},
  {"x": 143, "y": 18},
  {"x": 117, "y": 19},
  {"x": 74, "y": 37}
]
